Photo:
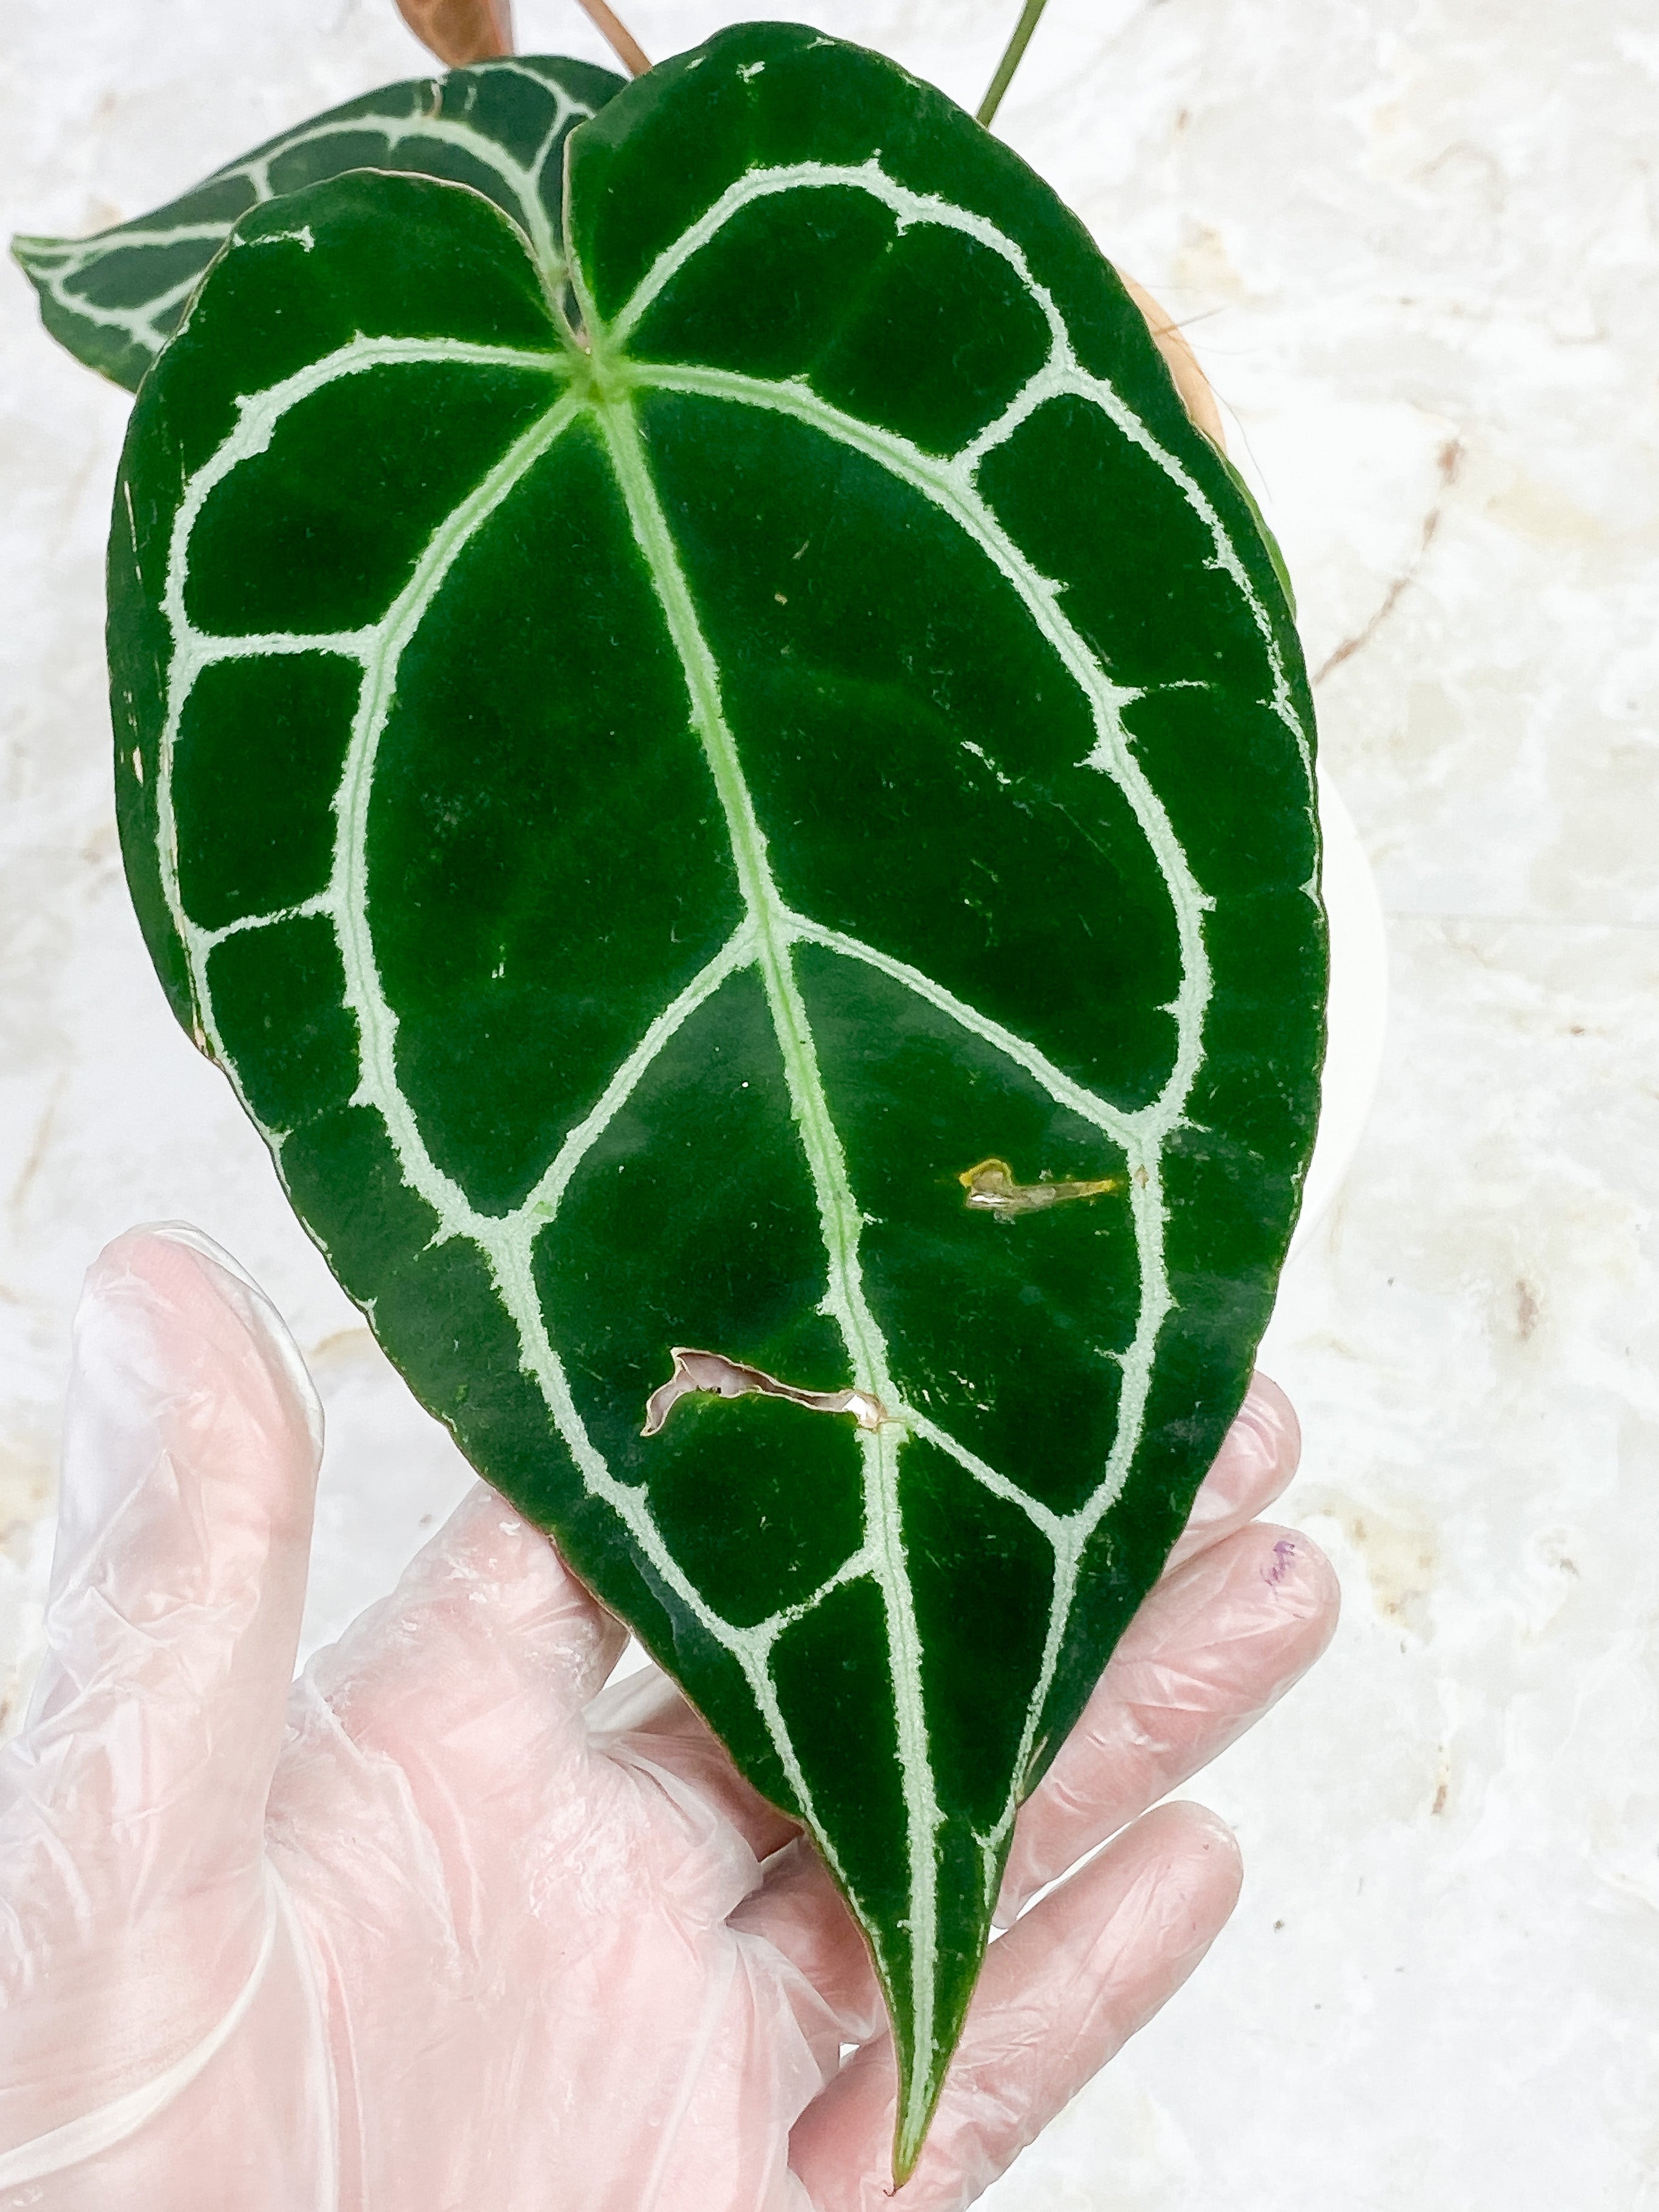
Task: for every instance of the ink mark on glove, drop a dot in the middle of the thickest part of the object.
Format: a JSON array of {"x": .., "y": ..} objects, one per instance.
[{"x": 1284, "y": 1562}]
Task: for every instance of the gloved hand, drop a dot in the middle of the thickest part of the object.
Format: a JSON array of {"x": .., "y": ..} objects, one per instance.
[{"x": 446, "y": 1929}]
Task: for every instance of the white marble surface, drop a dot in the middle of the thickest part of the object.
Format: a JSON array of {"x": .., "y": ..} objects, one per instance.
[{"x": 1417, "y": 248}]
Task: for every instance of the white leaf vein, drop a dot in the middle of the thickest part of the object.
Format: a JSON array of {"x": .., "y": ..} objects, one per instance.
[
  {"x": 764, "y": 939},
  {"x": 57, "y": 263}
]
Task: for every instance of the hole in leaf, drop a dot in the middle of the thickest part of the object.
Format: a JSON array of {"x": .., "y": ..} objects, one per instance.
[{"x": 729, "y": 1378}]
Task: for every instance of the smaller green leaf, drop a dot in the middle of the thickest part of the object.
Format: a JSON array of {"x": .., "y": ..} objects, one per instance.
[{"x": 115, "y": 299}]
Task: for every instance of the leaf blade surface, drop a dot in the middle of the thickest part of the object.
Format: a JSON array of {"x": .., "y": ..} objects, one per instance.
[{"x": 811, "y": 763}]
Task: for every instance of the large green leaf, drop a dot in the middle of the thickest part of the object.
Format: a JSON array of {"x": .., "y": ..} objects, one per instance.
[
  {"x": 766, "y": 848},
  {"x": 115, "y": 299}
]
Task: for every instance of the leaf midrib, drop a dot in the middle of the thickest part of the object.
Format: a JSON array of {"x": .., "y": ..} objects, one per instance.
[
  {"x": 772, "y": 928},
  {"x": 841, "y": 1219},
  {"x": 505, "y": 1242}
]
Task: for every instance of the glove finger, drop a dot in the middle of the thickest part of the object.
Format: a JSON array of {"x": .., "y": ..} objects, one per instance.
[
  {"x": 1257, "y": 1459},
  {"x": 799, "y": 1911},
  {"x": 1215, "y": 1645},
  {"x": 191, "y": 1443},
  {"x": 473, "y": 1674},
  {"x": 647, "y": 1715},
  {"x": 1059, "y": 1995}
]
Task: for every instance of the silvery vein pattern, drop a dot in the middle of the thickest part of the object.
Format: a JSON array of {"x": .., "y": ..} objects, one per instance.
[
  {"x": 116, "y": 298},
  {"x": 599, "y": 380}
]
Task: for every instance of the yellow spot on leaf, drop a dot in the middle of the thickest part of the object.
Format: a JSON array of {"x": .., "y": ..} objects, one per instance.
[{"x": 991, "y": 1187}]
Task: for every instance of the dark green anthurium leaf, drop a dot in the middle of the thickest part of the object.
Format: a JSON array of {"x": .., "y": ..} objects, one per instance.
[
  {"x": 757, "y": 867},
  {"x": 116, "y": 298}
]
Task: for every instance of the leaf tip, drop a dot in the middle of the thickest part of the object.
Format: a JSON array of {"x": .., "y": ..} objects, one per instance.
[
  {"x": 915, "y": 2116},
  {"x": 34, "y": 256}
]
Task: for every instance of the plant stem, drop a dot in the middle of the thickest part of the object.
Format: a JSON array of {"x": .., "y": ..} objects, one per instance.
[
  {"x": 622, "y": 42},
  {"x": 1029, "y": 16}
]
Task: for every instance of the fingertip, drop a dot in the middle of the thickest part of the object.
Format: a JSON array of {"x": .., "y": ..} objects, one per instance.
[
  {"x": 1245, "y": 1618},
  {"x": 1294, "y": 1574},
  {"x": 192, "y": 1425},
  {"x": 489, "y": 1600},
  {"x": 647, "y": 1715},
  {"x": 1269, "y": 1408},
  {"x": 191, "y": 1448},
  {"x": 1264, "y": 1442},
  {"x": 1215, "y": 1646},
  {"x": 1191, "y": 1874},
  {"x": 1212, "y": 1848},
  {"x": 1304, "y": 1576},
  {"x": 175, "y": 1274},
  {"x": 489, "y": 1540},
  {"x": 1259, "y": 1456},
  {"x": 499, "y": 1568},
  {"x": 1146, "y": 1911}
]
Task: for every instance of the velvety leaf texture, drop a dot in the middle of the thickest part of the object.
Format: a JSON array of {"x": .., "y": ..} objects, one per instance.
[
  {"x": 114, "y": 299},
  {"x": 755, "y": 863}
]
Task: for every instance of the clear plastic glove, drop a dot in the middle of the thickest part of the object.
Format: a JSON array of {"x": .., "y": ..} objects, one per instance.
[{"x": 446, "y": 1928}]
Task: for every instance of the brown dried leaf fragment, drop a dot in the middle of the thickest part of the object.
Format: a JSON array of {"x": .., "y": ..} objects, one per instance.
[
  {"x": 730, "y": 1378},
  {"x": 461, "y": 32},
  {"x": 991, "y": 1186},
  {"x": 1189, "y": 379}
]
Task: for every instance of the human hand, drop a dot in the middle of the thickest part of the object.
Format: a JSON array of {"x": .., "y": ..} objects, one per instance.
[{"x": 447, "y": 1928}]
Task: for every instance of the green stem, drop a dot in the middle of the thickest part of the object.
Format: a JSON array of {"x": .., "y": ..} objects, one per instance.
[{"x": 1029, "y": 16}]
